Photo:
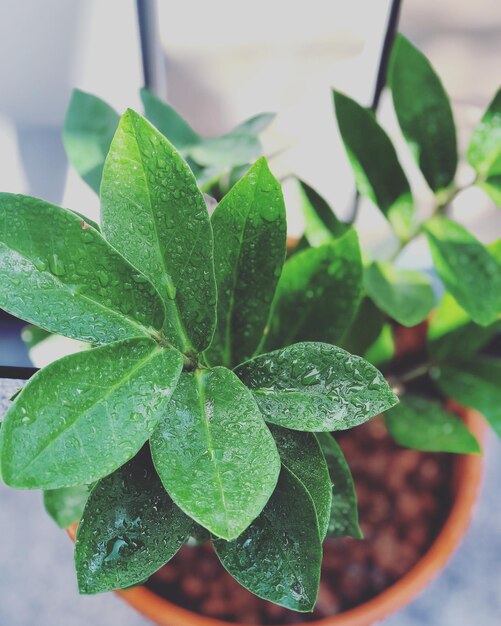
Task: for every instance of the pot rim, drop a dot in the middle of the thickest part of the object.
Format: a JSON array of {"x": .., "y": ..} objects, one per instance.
[{"x": 467, "y": 477}]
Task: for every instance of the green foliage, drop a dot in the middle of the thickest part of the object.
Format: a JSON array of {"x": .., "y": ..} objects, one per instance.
[
  {"x": 378, "y": 173},
  {"x": 175, "y": 443},
  {"x": 316, "y": 387},
  {"x": 419, "y": 423},
  {"x": 248, "y": 255},
  {"x": 404, "y": 295},
  {"x": 424, "y": 113},
  {"x": 318, "y": 293},
  {"x": 469, "y": 272},
  {"x": 66, "y": 505},
  {"x": 285, "y": 537},
  {"x": 214, "y": 453},
  {"x": 474, "y": 382},
  {"x": 155, "y": 216},
  {"x": 130, "y": 528},
  {"x": 343, "y": 518}
]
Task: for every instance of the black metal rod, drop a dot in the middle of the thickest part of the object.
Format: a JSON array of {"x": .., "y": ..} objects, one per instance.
[
  {"x": 391, "y": 31},
  {"x": 21, "y": 373}
]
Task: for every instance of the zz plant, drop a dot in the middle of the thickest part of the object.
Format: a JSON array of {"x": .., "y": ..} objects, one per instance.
[{"x": 189, "y": 415}]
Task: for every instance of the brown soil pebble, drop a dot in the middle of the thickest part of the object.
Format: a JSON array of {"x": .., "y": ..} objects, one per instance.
[{"x": 404, "y": 497}]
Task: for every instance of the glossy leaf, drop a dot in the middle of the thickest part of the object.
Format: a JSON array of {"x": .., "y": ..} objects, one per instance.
[
  {"x": 66, "y": 505},
  {"x": 484, "y": 151},
  {"x": 155, "y": 215},
  {"x": 302, "y": 456},
  {"x": 168, "y": 121},
  {"x": 452, "y": 334},
  {"x": 60, "y": 274},
  {"x": 249, "y": 250},
  {"x": 378, "y": 173},
  {"x": 214, "y": 453},
  {"x": 321, "y": 224},
  {"x": 364, "y": 329},
  {"x": 316, "y": 387},
  {"x": 130, "y": 528},
  {"x": 318, "y": 293},
  {"x": 475, "y": 383},
  {"x": 469, "y": 272},
  {"x": 88, "y": 130},
  {"x": 278, "y": 557},
  {"x": 424, "y": 113},
  {"x": 83, "y": 416},
  {"x": 423, "y": 424},
  {"x": 343, "y": 519},
  {"x": 405, "y": 295}
]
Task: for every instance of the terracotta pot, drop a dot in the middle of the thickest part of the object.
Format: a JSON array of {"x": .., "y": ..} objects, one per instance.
[{"x": 467, "y": 478}]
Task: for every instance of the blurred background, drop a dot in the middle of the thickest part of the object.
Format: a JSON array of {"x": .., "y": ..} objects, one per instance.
[{"x": 218, "y": 63}]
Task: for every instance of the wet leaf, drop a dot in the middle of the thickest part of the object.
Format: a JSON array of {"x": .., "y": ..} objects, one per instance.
[
  {"x": 302, "y": 456},
  {"x": 474, "y": 382},
  {"x": 343, "y": 518},
  {"x": 316, "y": 387},
  {"x": 321, "y": 224},
  {"x": 249, "y": 251},
  {"x": 155, "y": 215},
  {"x": 214, "y": 453},
  {"x": 318, "y": 293},
  {"x": 422, "y": 424},
  {"x": 88, "y": 130},
  {"x": 424, "y": 113},
  {"x": 168, "y": 121},
  {"x": 405, "y": 295},
  {"x": 67, "y": 279},
  {"x": 83, "y": 416},
  {"x": 66, "y": 505},
  {"x": 130, "y": 528},
  {"x": 278, "y": 557},
  {"x": 484, "y": 151},
  {"x": 469, "y": 272},
  {"x": 378, "y": 173}
]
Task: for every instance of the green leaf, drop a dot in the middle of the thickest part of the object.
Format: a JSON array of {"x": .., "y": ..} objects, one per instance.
[
  {"x": 130, "y": 528},
  {"x": 214, "y": 453},
  {"x": 424, "y": 113},
  {"x": 452, "y": 334},
  {"x": 364, "y": 329},
  {"x": 226, "y": 151},
  {"x": 155, "y": 215},
  {"x": 66, "y": 505},
  {"x": 168, "y": 121},
  {"x": 343, "y": 519},
  {"x": 469, "y": 272},
  {"x": 321, "y": 224},
  {"x": 475, "y": 383},
  {"x": 256, "y": 124},
  {"x": 88, "y": 130},
  {"x": 382, "y": 350},
  {"x": 61, "y": 275},
  {"x": 318, "y": 293},
  {"x": 492, "y": 186},
  {"x": 278, "y": 557},
  {"x": 32, "y": 335},
  {"x": 423, "y": 424},
  {"x": 484, "y": 151},
  {"x": 406, "y": 296},
  {"x": 316, "y": 387},
  {"x": 378, "y": 173},
  {"x": 83, "y": 416},
  {"x": 302, "y": 456},
  {"x": 249, "y": 251}
]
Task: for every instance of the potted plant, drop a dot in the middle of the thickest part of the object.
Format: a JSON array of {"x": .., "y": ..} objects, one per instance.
[{"x": 205, "y": 406}]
